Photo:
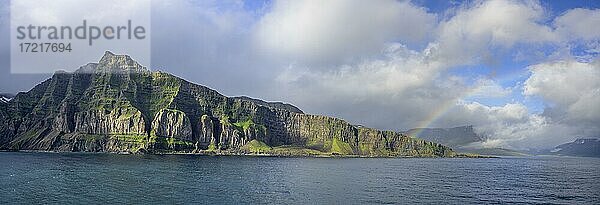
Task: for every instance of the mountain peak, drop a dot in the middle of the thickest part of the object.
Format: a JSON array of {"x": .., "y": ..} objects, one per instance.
[
  {"x": 109, "y": 53},
  {"x": 117, "y": 62},
  {"x": 110, "y": 56}
]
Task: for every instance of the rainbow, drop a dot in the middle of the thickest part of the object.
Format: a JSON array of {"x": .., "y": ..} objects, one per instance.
[
  {"x": 437, "y": 113},
  {"x": 441, "y": 110}
]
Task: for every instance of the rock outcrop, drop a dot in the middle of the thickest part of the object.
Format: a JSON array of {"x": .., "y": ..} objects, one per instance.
[
  {"x": 117, "y": 105},
  {"x": 172, "y": 124}
]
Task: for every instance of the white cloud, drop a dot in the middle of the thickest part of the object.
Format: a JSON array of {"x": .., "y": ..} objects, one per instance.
[
  {"x": 571, "y": 91},
  {"x": 571, "y": 88},
  {"x": 488, "y": 88},
  {"x": 477, "y": 114},
  {"x": 579, "y": 23},
  {"x": 326, "y": 31},
  {"x": 471, "y": 34},
  {"x": 510, "y": 126},
  {"x": 401, "y": 70}
]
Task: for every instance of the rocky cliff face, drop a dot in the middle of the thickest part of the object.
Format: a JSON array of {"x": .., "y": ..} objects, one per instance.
[{"x": 117, "y": 105}]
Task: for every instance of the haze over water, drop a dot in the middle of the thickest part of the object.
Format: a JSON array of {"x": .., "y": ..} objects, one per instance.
[{"x": 57, "y": 178}]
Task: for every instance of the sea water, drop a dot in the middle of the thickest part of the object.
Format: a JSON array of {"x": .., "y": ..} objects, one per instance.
[{"x": 79, "y": 178}]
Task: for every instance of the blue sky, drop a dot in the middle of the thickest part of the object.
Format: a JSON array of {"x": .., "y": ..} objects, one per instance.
[{"x": 509, "y": 71}]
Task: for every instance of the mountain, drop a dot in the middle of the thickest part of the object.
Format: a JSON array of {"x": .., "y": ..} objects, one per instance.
[
  {"x": 117, "y": 105},
  {"x": 460, "y": 139},
  {"x": 580, "y": 147},
  {"x": 494, "y": 151}
]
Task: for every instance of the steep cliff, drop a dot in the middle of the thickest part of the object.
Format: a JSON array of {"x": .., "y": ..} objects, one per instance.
[{"x": 117, "y": 105}]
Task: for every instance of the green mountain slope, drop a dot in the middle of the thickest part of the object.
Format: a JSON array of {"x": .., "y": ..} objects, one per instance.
[{"x": 117, "y": 105}]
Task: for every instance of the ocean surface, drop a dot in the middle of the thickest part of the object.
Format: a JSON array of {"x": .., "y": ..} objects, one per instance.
[{"x": 78, "y": 178}]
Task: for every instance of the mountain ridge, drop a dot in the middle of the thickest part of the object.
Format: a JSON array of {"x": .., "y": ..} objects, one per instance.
[
  {"x": 581, "y": 147},
  {"x": 118, "y": 105},
  {"x": 279, "y": 105}
]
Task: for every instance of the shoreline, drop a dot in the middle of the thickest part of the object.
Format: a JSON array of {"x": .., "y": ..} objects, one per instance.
[{"x": 211, "y": 153}]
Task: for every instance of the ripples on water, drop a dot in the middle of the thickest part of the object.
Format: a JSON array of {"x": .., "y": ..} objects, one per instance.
[{"x": 107, "y": 178}]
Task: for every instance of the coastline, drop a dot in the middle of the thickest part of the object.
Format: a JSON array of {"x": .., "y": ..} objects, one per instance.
[{"x": 213, "y": 153}]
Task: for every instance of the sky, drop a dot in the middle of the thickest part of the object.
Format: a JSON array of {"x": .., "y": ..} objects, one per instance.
[{"x": 525, "y": 74}]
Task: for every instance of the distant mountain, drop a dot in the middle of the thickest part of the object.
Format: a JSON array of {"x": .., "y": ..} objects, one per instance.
[
  {"x": 580, "y": 147},
  {"x": 453, "y": 137},
  {"x": 492, "y": 151},
  {"x": 460, "y": 139},
  {"x": 117, "y": 105}
]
